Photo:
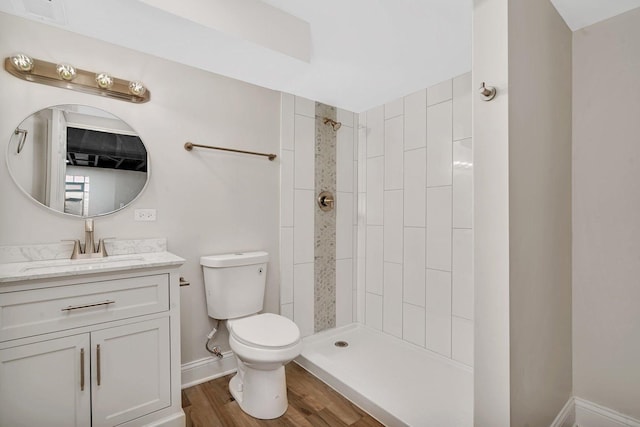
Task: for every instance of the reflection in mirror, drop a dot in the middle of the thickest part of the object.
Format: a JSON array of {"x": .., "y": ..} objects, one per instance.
[{"x": 78, "y": 160}]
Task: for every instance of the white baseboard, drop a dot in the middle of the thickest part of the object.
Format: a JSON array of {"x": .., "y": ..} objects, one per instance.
[
  {"x": 209, "y": 368},
  {"x": 589, "y": 414},
  {"x": 578, "y": 412},
  {"x": 567, "y": 416}
]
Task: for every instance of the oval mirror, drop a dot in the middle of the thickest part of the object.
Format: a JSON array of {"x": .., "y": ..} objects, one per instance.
[{"x": 78, "y": 160}]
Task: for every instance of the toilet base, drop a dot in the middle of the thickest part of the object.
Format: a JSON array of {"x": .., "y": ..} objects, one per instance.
[{"x": 261, "y": 394}]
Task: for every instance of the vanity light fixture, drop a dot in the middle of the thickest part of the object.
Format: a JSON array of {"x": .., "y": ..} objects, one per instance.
[{"x": 68, "y": 77}]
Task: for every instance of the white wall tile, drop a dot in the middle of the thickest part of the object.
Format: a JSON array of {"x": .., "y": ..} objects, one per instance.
[
  {"x": 415, "y": 120},
  {"x": 375, "y": 190},
  {"x": 394, "y": 108},
  {"x": 439, "y": 292},
  {"x": 354, "y": 252},
  {"x": 362, "y": 160},
  {"x": 303, "y": 229},
  {"x": 303, "y": 279},
  {"x": 305, "y": 107},
  {"x": 344, "y": 225},
  {"x": 438, "y": 331},
  {"x": 354, "y": 216},
  {"x": 462, "y": 340},
  {"x": 393, "y": 153},
  {"x": 361, "y": 267},
  {"x": 362, "y": 118},
  {"x": 344, "y": 292},
  {"x": 286, "y": 310},
  {"x": 286, "y": 265},
  {"x": 362, "y": 208},
  {"x": 415, "y": 176},
  {"x": 375, "y": 259},
  {"x": 287, "y": 120},
  {"x": 439, "y": 93},
  {"x": 392, "y": 299},
  {"x": 354, "y": 312},
  {"x": 462, "y": 107},
  {"x": 286, "y": 188},
  {"x": 413, "y": 324},
  {"x": 345, "y": 117},
  {"x": 439, "y": 150},
  {"x": 438, "y": 325},
  {"x": 373, "y": 311},
  {"x": 463, "y": 273},
  {"x": 362, "y": 165},
  {"x": 393, "y": 230},
  {"x": 344, "y": 160},
  {"x": 462, "y": 184},
  {"x": 356, "y": 132},
  {"x": 414, "y": 266},
  {"x": 439, "y": 228},
  {"x": 304, "y": 175},
  {"x": 375, "y": 132}
]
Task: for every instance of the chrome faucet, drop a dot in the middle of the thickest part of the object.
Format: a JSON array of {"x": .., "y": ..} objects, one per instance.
[{"x": 89, "y": 249}]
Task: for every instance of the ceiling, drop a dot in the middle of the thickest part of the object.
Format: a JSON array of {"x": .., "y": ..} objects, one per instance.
[
  {"x": 353, "y": 54},
  {"x": 582, "y": 13}
]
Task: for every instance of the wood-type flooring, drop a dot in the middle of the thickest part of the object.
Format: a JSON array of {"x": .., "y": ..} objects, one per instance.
[{"x": 312, "y": 403}]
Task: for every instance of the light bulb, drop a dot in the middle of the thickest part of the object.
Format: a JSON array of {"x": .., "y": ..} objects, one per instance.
[
  {"x": 22, "y": 62},
  {"x": 104, "y": 80},
  {"x": 137, "y": 88},
  {"x": 66, "y": 71}
]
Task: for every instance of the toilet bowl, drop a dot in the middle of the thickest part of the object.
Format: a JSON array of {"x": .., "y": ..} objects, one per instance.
[{"x": 263, "y": 344}]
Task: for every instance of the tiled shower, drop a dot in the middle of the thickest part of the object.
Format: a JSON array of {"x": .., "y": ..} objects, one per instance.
[{"x": 403, "y": 218}]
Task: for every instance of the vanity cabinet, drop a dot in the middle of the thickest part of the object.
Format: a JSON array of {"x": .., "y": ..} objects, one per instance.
[
  {"x": 100, "y": 351},
  {"x": 129, "y": 371},
  {"x": 41, "y": 383}
]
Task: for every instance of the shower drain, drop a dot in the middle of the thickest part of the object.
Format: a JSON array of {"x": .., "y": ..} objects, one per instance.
[{"x": 341, "y": 344}]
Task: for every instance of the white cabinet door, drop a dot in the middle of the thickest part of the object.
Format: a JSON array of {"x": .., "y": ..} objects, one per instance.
[
  {"x": 46, "y": 384},
  {"x": 130, "y": 370}
]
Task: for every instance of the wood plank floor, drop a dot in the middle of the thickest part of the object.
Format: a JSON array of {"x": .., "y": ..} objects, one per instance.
[{"x": 312, "y": 403}]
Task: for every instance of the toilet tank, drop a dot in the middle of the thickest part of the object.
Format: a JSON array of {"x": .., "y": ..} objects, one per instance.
[{"x": 234, "y": 283}]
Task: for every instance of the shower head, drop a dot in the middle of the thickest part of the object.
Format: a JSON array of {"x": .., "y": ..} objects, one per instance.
[{"x": 335, "y": 125}]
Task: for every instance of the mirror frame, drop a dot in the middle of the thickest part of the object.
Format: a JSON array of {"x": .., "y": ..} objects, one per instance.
[{"x": 15, "y": 136}]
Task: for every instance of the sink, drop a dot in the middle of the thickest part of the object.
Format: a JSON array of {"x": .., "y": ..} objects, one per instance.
[{"x": 82, "y": 264}]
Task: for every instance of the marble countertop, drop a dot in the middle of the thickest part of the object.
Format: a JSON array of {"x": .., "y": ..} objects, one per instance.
[{"x": 133, "y": 256}]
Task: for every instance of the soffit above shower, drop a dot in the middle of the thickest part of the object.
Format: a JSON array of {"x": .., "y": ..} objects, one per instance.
[{"x": 354, "y": 54}]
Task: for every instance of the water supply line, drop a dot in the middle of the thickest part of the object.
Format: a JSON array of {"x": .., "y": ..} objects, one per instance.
[{"x": 215, "y": 350}]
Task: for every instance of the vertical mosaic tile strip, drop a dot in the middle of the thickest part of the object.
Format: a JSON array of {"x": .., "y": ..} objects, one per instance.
[{"x": 325, "y": 222}]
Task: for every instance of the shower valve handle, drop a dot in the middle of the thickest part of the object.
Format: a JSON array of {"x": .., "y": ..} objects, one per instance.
[{"x": 326, "y": 202}]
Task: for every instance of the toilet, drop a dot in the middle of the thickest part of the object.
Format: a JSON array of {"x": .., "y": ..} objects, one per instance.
[{"x": 262, "y": 343}]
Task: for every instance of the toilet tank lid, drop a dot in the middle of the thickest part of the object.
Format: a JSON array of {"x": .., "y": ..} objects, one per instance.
[{"x": 235, "y": 259}]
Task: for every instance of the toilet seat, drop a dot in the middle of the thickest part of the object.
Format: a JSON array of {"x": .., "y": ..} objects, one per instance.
[{"x": 266, "y": 331}]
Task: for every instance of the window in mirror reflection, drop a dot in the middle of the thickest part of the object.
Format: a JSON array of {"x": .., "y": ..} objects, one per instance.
[{"x": 76, "y": 198}]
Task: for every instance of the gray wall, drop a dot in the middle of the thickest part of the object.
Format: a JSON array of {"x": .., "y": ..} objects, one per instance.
[
  {"x": 606, "y": 200},
  {"x": 207, "y": 202},
  {"x": 522, "y": 213},
  {"x": 539, "y": 212}
]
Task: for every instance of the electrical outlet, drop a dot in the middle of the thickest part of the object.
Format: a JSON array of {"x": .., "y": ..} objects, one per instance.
[{"x": 144, "y": 215}]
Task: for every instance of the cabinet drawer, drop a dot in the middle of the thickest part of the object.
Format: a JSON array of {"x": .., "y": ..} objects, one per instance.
[{"x": 38, "y": 311}]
